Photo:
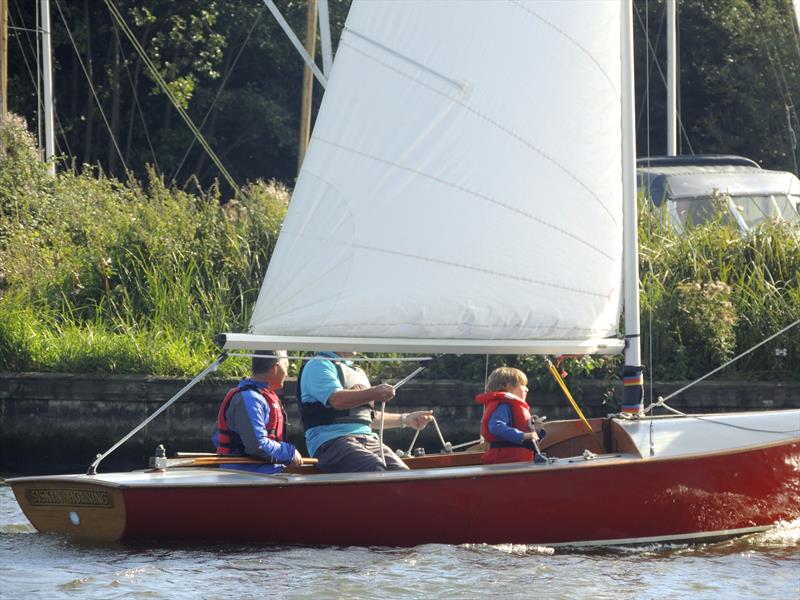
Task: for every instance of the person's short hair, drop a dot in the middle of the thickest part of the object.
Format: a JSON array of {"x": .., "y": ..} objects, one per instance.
[
  {"x": 266, "y": 359},
  {"x": 503, "y": 378}
]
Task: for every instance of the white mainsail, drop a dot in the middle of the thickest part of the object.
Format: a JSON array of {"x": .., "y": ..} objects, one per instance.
[
  {"x": 796, "y": 5},
  {"x": 463, "y": 186}
]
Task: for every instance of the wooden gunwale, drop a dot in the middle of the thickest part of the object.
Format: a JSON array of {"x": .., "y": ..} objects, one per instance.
[{"x": 419, "y": 474}]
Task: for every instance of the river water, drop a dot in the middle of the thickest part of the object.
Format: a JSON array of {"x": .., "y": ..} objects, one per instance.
[{"x": 33, "y": 565}]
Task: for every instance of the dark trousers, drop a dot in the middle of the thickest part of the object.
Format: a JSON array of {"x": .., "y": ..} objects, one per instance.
[{"x": 356, "y": 454}]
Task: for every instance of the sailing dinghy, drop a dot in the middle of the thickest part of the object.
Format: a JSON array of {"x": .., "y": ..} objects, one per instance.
[{"x": 469, "y": 188}]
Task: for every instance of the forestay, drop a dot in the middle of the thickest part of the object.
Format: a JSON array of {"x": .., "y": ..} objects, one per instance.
[{"x": 463, "y": 186}]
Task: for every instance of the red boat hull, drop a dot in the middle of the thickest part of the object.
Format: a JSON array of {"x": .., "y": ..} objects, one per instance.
[{"x": 605, "y": 501}]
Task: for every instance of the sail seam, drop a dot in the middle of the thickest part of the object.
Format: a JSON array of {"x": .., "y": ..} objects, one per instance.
[
  {"x": 459, "y": 265},
  {"x": 572, "y": 40},
  {"x": 495, "y": 124},
  {"x": 483, "y": 270},
  {"x": 460, "y": 188}
]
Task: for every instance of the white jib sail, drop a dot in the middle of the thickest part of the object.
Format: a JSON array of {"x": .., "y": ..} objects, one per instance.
[{"x": 463, "y": 185}]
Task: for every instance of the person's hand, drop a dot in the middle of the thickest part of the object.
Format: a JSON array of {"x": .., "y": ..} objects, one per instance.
[
  {"x": 383, "y": 392},
  {"x": 538, "y": 422},
  {"x": 297, "y": 459},
  {"x": 419, "y": 419},
  {"x": 530, "y": 435}
]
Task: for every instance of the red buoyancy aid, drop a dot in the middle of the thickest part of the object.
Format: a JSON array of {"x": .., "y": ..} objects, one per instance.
[
  {"x": 520, "y": 419},
  {"x": 228, "y": 442}
]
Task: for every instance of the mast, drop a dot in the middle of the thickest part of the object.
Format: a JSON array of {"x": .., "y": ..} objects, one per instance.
[
  {"x": 672, "y": 110},
  {"x": 47, "y": 74},
  {"x": 632, "y": 372},
  {"x": 3, "y": 59}
]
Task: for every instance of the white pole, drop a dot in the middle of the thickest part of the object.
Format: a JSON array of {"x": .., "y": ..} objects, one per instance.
[
  {"x": 325, "y": 37},
  {"x": 47, "y": 74},
  {"x": 3, "y": 60},
  {"x": 632, "y": 372},
  {"x": 323, "y": 81},
  {"x": 672, "y": 105}
]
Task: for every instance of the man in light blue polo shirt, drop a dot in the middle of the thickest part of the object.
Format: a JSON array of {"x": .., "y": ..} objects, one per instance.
[{"x": 336, "y": 405}]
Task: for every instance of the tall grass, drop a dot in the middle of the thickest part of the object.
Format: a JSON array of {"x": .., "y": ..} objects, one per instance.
[
  {"x": 712, "y": 293},
  {"x": 102, "y": 276}
]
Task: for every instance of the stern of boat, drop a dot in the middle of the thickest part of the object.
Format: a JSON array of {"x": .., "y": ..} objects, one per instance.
[{"x": 76, "y": 507}]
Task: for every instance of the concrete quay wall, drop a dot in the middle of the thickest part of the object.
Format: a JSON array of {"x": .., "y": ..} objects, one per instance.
[{"x": 57, "y": 423}]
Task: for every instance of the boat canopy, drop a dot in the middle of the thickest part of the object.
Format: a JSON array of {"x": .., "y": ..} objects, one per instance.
[{"x": 680, "y": 183}]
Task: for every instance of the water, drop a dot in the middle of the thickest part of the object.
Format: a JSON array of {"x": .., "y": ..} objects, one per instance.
[{"x": 32, "y": 565}]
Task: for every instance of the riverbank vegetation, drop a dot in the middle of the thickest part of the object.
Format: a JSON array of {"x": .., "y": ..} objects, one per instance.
[{"x": 103, "y": 276}]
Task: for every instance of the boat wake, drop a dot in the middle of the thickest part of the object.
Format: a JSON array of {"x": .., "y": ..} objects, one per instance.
[
  {"x": 785, "y": 533},
  {"x": 514, "y": 549},
  {"x": 17, "y": 528}
]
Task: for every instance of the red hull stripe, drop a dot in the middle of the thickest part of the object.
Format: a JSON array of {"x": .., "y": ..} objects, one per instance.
[{"x": 577, "y": 503}]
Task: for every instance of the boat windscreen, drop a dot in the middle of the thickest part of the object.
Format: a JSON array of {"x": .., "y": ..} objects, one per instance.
[
  {"x": 698, "y": 211},
  {"x": 752, "y": 210},
  {"x": 758, "y": 209}
]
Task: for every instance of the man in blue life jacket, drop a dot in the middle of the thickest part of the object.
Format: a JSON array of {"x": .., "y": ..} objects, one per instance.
[
  {"x": 337, "y": 406},
  {"x": 251, "y": 419}
]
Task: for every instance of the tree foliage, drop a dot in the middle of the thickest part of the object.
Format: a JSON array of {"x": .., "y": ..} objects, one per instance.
[
  {"x": 739, "y": 69},
  {"x": 232, "y": 67},
  {"x": 228, "y": 63}
]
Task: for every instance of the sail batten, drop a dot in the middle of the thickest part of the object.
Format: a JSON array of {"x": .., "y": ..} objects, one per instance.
[{"x": 463, "y": 181}]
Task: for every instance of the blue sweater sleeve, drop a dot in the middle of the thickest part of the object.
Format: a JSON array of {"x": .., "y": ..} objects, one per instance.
[
  {"x": 254, "y": 432},
  {"x": 500, "y": 425}
]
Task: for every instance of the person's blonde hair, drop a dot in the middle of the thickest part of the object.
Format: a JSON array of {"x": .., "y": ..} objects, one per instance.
[{"x": 503, "y": 378}]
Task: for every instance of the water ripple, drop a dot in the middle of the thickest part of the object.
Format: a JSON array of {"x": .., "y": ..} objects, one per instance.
[{"x": 762, "y": 566}]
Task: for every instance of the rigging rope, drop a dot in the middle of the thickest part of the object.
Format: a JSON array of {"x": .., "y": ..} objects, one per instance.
[
  {"x": 652, "y": 50},
  {"x": 165, "y": 88},
  {"x": 219, "y": 92},
  {"x": 662, "y": 403},
  {"x": 92, "y": 470},
  {"x": 91, "y": 87},
  {"x": 138, "y": 105},
  {"x": 733, "y": 360}
]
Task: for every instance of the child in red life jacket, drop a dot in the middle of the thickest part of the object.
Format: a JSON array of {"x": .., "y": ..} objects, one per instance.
[{"x": 506, "y": 423}]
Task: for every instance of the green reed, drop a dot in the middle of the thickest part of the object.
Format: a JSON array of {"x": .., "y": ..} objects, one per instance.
[
  {"x": 98, "y": 275},
  {"x": 711, "y": 293}
]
